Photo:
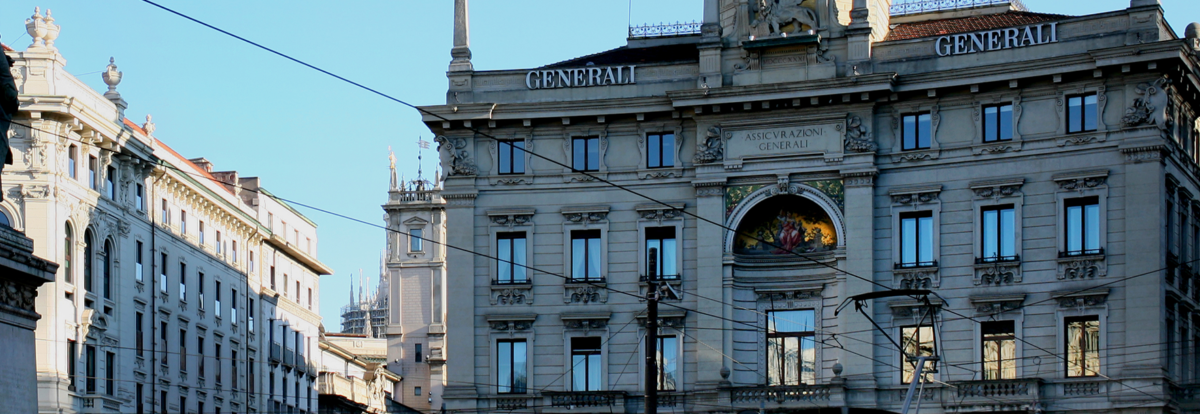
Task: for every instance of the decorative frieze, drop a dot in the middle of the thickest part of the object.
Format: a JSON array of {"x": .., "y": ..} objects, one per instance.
[
  {"x": 585, "y": 322},
  {"x": 859, "y": 179},
  {"x": 585, "y": 215},
  {"x": 1082, "y": 267},
  {"x": 658, "y": 212},
  {"x": 917, "y": 278},
  {"x": 512, "y": 295},
  {"x": 511, "y": 218},
  {"x": 18, "y": 295},
  {"x": 1085, "y": 299},
  {"x": 995, "y": 305},
  {"x": 914, "y": 309},
  {"x": 997, "y": 273},
  {"x": 996, "y": 189},
  {"x": 1146, "y": 153},
  {"x": 712, "y": 148},
  {"x": 709, "y": 188},
  {"x": 511, "y": 323},
  {"x": 674, "y": 318},
  {"x": 915, "y": 195}
]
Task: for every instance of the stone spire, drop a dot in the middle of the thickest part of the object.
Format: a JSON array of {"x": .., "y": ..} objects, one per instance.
[{"x": 461, "y": 53}]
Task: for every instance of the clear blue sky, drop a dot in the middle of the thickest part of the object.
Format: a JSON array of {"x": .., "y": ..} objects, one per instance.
[{"x": 314, "y": 139}]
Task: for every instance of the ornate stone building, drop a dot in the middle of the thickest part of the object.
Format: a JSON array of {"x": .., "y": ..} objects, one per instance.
[
  {"x": 1037, "y": 172},
  {"x": 166, "y": 297}
]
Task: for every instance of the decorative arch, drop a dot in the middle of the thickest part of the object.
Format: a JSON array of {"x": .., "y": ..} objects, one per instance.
[{"x": 806, "y": 193}]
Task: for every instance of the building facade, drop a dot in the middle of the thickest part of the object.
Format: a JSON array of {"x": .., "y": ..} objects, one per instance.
[
  {"x": 1037, "y": 173},
  {"x": 353, "y": 377},
  {"x": 165, "y": 299}
]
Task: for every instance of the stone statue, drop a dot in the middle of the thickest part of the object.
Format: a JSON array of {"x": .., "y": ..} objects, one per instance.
[
  {"x": 1151, "y": 105},
  {"x": 711, "y": 149},
  {"x": 8, "y": 109},
  {"x": 454, "y": 157},
  {"x": 777, "y": 14}
]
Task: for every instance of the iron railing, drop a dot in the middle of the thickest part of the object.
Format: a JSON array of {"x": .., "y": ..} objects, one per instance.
[
  {"x": 903, "y": 7},
  {"x": 664, "y": 30}
]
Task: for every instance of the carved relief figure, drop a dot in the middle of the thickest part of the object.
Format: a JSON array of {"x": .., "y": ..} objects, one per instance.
[
  {"x": 454, "y": 156},
  {"x": 774, "y": 15},
  {"x": 858, "y": 139},
  {"x": 711, "y": 149},
  {"x": 1151, "y": 106}
]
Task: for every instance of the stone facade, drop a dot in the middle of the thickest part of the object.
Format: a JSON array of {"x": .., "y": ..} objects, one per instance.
[
  {"x": 166, "y": 298},
  {"x": 21, "y": 273},
  {"x": 1037, "y": 172}
]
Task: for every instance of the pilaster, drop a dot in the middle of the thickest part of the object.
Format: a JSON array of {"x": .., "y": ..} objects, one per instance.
[
  {"x": 460, "y": 290},
  {"x": 710, "y": 283},
  {"x": 1145, "y": 191},
  {"x": 860, "y": 195}
]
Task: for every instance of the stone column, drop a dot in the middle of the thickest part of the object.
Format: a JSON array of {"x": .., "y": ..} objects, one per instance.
[
  {"x": 709, "y": 283},
  {"x": 1145, "y": 191},
  {"x": 710, "y": 46},
  {"x": 460, "y": 290},
  {"x": 461, "y": 69},
  {"x": 858, "y": 370},
  {"x": 20, "y": 275}
]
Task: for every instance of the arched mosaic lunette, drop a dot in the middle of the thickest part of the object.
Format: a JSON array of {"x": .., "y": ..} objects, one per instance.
[{"x": 810, "y": 210}]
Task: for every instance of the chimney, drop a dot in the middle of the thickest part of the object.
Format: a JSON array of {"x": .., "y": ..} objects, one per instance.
[{"x": 203, "y": 163}]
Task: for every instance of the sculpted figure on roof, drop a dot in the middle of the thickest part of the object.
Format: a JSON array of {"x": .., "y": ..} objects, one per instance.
[{"x": 773, "y": 15}]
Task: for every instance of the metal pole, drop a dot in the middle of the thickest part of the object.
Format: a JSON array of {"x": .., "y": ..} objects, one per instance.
[
  {"x": 912, "y": 386},
  {"x": 652, "y": 333}
]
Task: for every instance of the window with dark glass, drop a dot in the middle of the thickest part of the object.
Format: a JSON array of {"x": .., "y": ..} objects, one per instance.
[
  {"x": 233, "y": 297},
  {"x": 668, "y": 362},
  {"x": 999, "y": 233},
  {"x": 511, "y": 366},
  {"x": 93, "y": 166},
  {"x": 510, "y": 248},
  {"x": 661, "y": 250},
  {"x": 999, "y": 350},
  {"x": 217, "y": 360},
  {"x": 1083, "y": 346},
  {"x": 997, "y": 123},
  {"x": 250, "y": 314},
  {"x": 512, "y": 157},
  {"x": 916, "y": 341},
  {"x": 106, "y": 260},
  {"x": 660, "y": 150},
  {"x": 414, "y": 240},
  {"x": 1082, "y": 226},
  {"x": 139, "y": 396},
  {"x": 417, "y": 352},
  {"x": 89, "y": 255},
  {"x": 110, "y": 371},
  {"x": 110, "y": 183},
  {"x": 233, "y": 368},
  {"x": 200, "y": 356},
  {"x": 165, "y": 214},
  {"x": 72, "y": 351},
  {"x": 217, "y": 298},
  {"x": 200, "y": 231},
  {"x": 68, "y": 247},
  {"x": 585, "y": 364},
  {"x": 183, "y": 281},
  {"x": 1081, "y": 113},
  {"x": 183, "y": 221},
  {"x": 586, "y": 153},
  {"x": 916, "y": 132},
  {"x": 183, "y": 355},
  {"x": 916, "y": 239},
  {"x": 162, "y": 277},
  {"x": 162, "y": 402},
  {"x": 200, "y": 288},
  {"x": 139, "y": 196},
  {"x": 791, "y": 350},
  {"x": 140, "y": 337},
  {"x": 162, "y": 338},
  {"x": 585, "y": 255},
  {"x": 89, "y": 358},
  {"x": 138, "y": 268}
]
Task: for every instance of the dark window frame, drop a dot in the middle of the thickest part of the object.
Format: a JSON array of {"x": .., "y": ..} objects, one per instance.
[
  {"x": 588, "y": 352},
  {"x": 660, "y": 235},
  {"x": 918, "y": 119},
  {"x": 998, "y": 234},
  {"x": 1068, "y": 323},
  {"x": 511, "y": 157},
  {"x": 917, "y": 215},
  {"x": 1084, "y": 113},
  {"x": 514, "y": 386},
  {"x": 781, "y": 336},
  {"x": 909, "y": 365},
  {"x": 657, "y": 143},
  {"x": 589, "y": 148},
  {"x": 997, "y": 122},
  {"x": 514, "y": 263},
  {"x": 587, "y": 236},
  {"x": 1068, "y": 226},
  {"x": 999, "y": 333}
]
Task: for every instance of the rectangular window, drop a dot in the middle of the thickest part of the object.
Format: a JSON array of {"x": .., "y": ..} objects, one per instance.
[
  {"x": 997, "y": 123},
  {"x": 233, "y": 250},
  {"x": 200, "y": 356},
  {"x": 217, "y": 360},
  {"x": 660, "y": 150},
  {"x": 162, "y": 402},
  {"x": 510, "y": 366},
  {"x": 297, "y": 291},
  {"x": 660, "y": 253},
  {"x": 141, "y": 408},
  {"x": 89, "y": 358},
  {"x": 999, "y": 350},
  {"x": 1083, "y": 226},
  {"x": 250, "y": 256},
  {"x": 585, "y": 255},
  {"x": 233, "y": 369},
  {"x": 110, "y": 372},
  {"x": 200, "y": 288},
  {"x": 250, "y": 313},
  {"x": 72, "y": 351},
  {"x": 415, "y": 239},
  {"x": 273, "y": 278},
  {"x": 510, "y": 248},
  {"x": 309, "y": 298},
  {"x": 110, "y": 183},
  {"x": 217, "y": 298},
  {"x": 233, "y": 305},
  {"x": 183, "y": 221},
  {"x": 1083, "y": 346},
  {"x": 512, "y": 157},
  {"x": 916, "y": 341},
  {"x": 250, "y": 381},
  {"x": 72, "y": 161},
  {"x": 916, "y": 132},
  {"x": 271, "y": 221},
  {"x": 200, "y": 231},
  {"x": 417, "y": 352},
  {"x": 162, "y": 338},
  {"x": 93, "y": 166},
  {"x": 586, "y": 154},
  {"x": 182, "y": 404},
  {"x": 140, "y": 336},
  {"x": 162, "y": 278},
  {"x": 999, "y": 237},
  {"x": 417, "y": 392},
  {"x": 1081, "y": 113},
  {"x": 219, "y": 247},
  {"x": 139, "y": 194},
  {"x": 138, "y": 269},
  {"x": 668, "y": 362},
  {"x": 165, "y": 214},
  {"x": 585, "y": 364},
  {"x": 791, "y": 350},
  {"x": 183, "y": 355},
  {"x": 183, "y": 282},
  {"x": 916, "y": 239}
]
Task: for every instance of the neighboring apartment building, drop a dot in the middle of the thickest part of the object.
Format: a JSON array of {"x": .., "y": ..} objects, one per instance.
[
  {"x": 1037, "y": 172},
  {"x": 353, "y": 379},
  {"x": 161, "y": 303}
]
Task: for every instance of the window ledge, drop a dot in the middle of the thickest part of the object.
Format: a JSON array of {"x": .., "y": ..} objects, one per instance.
[
  {"x": 661, "y": 172},
  {"x": 997, "y": 273},
  {"x": 511, "y": 294}
]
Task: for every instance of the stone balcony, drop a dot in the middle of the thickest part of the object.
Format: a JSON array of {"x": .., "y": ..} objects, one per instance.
[
  {"x": 787, "y": 397},
  {"x": 994, "y": 395}
]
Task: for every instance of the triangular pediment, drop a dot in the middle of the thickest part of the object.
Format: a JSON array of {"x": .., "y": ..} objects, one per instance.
[{"x": 416, "y": 220}]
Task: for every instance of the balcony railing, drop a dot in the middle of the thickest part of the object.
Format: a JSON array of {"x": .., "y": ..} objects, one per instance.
[
  {"x": 1015, "y": 391},
  {"x": 664, "y": 30},
  {"x": 586, "y": 399},
  {"x": 903, "y": 7},
  {"x": 784, "y": 394}
]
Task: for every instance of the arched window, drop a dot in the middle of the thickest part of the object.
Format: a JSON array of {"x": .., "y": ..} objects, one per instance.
[
  {"x": 68, "y": 247},
  {"x": 88, "y": 255},
  {"x": 107, "y": 271},
  {"x": 5, "y": 220}
]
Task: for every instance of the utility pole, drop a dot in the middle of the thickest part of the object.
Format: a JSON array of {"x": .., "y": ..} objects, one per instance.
[{"x": 652, "y": 332}]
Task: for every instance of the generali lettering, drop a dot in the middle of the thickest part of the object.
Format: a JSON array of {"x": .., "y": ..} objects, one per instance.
[
  {"x": 581, "y": 77},
  {"x": 999, "y": 39}
]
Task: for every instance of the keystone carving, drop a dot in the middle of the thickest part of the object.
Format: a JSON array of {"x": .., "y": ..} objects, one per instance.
[
  {"x": 711, "y": 150},
  {"x": 858, "y": 139},
  {"x": 1151, "y": 106},
  {"x": 454, "y": 157}
]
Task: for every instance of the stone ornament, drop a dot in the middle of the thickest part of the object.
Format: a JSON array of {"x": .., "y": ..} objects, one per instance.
[
  {"x": 1079, "y": 184},
  {"x": 512, "y": 295},
  {"x": 659, "y": 215},
  {"x": 112, "y": 78},
  {"x": 771, "y": 16},
  {"x": 858, "y": 139},
  {"x": 996, "y": 307},
  {"x": 712, "y": 148},
  {"x": 17, "y": 295},
  {"x": 997, "y": 274},
  {"x": 917, "y": 278},
  {"x": 1151, "y": 105},
  {"x": 585, "y": 293},
  {"x": 511, "y": 220},
  {"x": 1082, "y": 267},
  {"x": 521, "y": 325},
  {"x": 585, "y": 324},
  {"x": 1085, "y": 300},
  {"x": 454, "y": 156},
  {"x": 676, "y": 322},
  {"x": 42, "y": 30},
  {"x": 586, "y": 217}
]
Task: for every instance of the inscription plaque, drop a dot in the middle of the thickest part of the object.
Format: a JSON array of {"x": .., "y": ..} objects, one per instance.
[{"x": 785, "y": 140}]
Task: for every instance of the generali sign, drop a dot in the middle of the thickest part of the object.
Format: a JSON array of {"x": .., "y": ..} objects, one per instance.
[
  {"x": 999, "y": 39},
  {"x": 581, "y": 77}
]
